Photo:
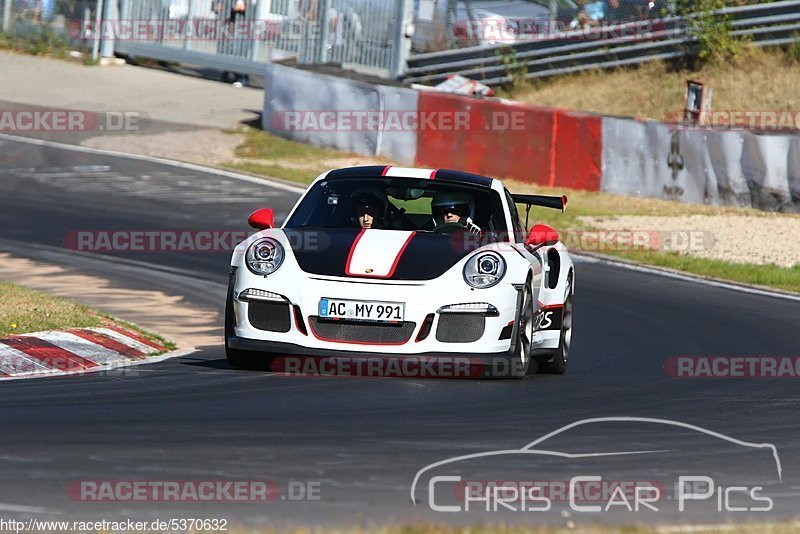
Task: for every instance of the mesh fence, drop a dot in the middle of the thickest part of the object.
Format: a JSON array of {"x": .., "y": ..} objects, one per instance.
[{"x": 354, "y": 32}]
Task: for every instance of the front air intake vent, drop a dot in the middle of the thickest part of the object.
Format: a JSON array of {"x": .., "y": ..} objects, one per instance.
[
  {"x": 460, "y": 327},
  {"x": 268, "y": 315}
]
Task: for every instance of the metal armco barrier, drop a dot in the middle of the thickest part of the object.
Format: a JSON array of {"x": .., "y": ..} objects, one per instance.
[
  {"x": 731, "y": 168},
  {"x": 324, "y": 111},
  {"x": 633, "y": 43}
]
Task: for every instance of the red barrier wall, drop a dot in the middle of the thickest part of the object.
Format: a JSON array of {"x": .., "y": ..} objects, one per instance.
[
  {"x": 527, "y": 143},
  {"x": 578, "y": 151}
]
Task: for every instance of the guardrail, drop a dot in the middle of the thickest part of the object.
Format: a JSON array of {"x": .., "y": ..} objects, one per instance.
[{"x": 610, "y": 46}]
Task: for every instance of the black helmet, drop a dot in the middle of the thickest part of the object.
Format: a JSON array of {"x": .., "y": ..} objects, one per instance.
[
  {"x": 456, "y": 202},
  {"x": 369, "y": 201}
]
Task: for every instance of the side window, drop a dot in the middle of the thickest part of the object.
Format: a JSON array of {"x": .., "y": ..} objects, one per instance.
[{"x": 518, "y": 231}]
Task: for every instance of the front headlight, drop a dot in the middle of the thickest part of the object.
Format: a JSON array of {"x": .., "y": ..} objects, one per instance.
[
  {"x": 484, "y": 270},
  {"x": 264, "y": 256}
]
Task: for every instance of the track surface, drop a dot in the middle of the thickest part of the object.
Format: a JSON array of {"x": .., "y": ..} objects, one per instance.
[{"x": 363, "y": 440}]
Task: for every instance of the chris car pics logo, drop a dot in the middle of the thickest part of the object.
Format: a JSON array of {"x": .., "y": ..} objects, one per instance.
[{"x": 450, "y": 488}]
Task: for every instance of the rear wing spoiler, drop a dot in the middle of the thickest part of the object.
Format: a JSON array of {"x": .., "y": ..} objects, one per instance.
[{"x": 558, "y": 203}]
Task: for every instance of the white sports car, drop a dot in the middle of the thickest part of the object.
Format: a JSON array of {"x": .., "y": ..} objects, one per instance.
[{"x": 403, "y": 263}]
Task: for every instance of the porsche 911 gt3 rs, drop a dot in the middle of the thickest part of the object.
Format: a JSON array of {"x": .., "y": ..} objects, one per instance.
[{"x": 376, "y": 262}]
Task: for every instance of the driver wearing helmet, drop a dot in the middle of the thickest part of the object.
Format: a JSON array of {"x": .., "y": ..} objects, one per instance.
[
  {"x": 369, "y": 209},
  {"x": 454, "y": 207}
]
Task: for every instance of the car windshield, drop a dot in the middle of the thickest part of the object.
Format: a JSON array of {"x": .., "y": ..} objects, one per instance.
[{"x": 398, "y": 204}]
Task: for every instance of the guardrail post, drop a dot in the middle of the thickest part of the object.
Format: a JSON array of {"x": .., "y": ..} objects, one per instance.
[
  {"x": 188, "y": 30},
  {"x": 401, "y": 38},
  {"x": 7, "y": 16},
  {"x": 98, "y": 30},
  {"x": 111, "y": 22},
  {"x": 257, "y": 24},
  {"x": 323, "y": 31}
]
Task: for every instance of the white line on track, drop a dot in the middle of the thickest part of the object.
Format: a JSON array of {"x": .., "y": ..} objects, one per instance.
[{"x": 696, "y": 279}]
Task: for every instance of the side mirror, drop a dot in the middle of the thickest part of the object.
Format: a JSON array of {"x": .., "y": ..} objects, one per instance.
[
  {"x": 262, "y": 219},
  {"x": 541, "y": 234}
]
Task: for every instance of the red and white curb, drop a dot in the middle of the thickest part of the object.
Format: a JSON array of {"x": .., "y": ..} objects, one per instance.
[{"x": 83, "y": 350}]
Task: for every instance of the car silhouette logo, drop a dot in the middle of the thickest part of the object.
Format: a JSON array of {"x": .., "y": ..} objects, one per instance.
[{"x": 532, "y": 449}]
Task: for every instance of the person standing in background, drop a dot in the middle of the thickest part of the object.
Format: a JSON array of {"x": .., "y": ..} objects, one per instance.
[{"x": 234, "y": 38}]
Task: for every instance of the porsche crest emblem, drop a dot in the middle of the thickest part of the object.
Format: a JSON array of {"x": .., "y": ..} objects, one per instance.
[{"x": 368, "y": 271}]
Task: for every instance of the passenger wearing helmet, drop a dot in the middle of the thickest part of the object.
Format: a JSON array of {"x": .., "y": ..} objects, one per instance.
[
  {"x": 454, "y": 207},
  {"x": 369, "y": 209}
]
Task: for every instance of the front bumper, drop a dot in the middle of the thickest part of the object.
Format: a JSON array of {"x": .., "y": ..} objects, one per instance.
[{"x": 422, "y": 301}]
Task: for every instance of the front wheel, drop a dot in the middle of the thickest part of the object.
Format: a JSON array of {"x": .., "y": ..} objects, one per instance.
[
  {"x": 557, "y": 364},
  {"x": 520, "y": 362}
]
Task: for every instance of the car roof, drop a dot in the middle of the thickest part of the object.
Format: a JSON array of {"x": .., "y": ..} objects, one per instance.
[{"x": 380, "y": 171}]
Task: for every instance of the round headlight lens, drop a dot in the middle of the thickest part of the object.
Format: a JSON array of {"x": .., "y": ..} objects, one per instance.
[
  {"x": 264, "y": 256},
  {"x": 484, "y": 270}
]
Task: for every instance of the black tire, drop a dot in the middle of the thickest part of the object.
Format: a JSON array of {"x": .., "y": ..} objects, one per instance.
[
  {"x": 520, "y": 362},
  {"x": 557, "y": 364}
]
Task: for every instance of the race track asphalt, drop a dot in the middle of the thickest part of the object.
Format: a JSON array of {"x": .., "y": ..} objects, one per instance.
[{"x": 359, "y": 442}]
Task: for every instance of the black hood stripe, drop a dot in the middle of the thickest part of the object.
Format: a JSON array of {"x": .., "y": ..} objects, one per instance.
[{"x": 329, "y": 252}]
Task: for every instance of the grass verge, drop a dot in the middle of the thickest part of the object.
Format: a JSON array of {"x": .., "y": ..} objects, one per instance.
[
  {"x": 761, "y": 80},
  {"x": 24, "y": 310},
  {"x": 266, "y": 154},
  {"x": 770, "y": 276}
]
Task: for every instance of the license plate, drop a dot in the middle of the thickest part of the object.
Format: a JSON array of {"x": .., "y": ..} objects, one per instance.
[{"x": 361, "y": 310}]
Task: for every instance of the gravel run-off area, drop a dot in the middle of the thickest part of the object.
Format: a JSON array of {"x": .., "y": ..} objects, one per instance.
[{"x": 733, "y": 238}]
